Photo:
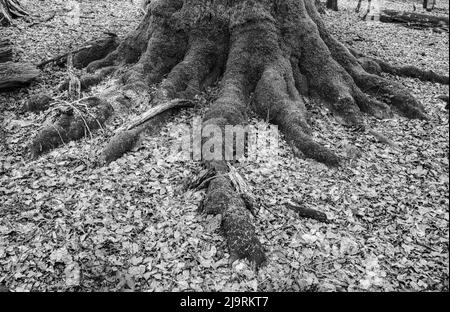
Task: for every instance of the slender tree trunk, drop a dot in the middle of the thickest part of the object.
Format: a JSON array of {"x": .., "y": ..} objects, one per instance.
[{"x": 270, "y": 56}]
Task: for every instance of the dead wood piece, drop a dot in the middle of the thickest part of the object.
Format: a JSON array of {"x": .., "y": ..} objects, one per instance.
[
  {"x": 16, "y": 75},
  {"x": 308, "y": 212},
  {"x": 155, "y": 111},
  {"x": 424, "y": 20},
  {"x": 91, "y": 51}
]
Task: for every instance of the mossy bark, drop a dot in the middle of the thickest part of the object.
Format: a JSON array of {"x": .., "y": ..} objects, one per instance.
[{"x": 271, "y": 56}]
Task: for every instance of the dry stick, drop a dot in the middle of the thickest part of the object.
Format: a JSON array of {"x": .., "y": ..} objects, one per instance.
[
  {"x": 308, "y": 212},
  {"x": 57, "y": 58},
  {"x": 155, "y": 111}
]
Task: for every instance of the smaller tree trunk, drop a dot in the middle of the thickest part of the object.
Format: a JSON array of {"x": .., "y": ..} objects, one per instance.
[
  {"x": 332, "y": 4},
  {"x": 10, "y": 9}
]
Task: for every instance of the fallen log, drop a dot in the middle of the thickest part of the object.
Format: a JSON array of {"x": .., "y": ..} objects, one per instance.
[
  {"x": 412, "y": 18},
  {"x": 16, "y": 75}
]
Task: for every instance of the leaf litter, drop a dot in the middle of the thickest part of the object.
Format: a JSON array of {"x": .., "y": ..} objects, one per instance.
[{"x": 67, "y": 224}]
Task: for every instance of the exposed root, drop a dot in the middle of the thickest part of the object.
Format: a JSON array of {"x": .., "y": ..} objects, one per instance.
[
  {"x": 127, "y": 136},
  {"x": 376, "y": 67},
  {"x": 121, "y": 143},
  {"x": 237, "y": 227},
  {"x": 289, "y": 114},
  {"x": 390, "y": 92},
  {"x": 91, "y": 51},
  {"x": 89, "y": 80},
  {"x": 69, "y": 126}
]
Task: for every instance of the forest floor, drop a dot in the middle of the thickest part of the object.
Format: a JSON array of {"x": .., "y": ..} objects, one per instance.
[{"x": 68, "y": 224}]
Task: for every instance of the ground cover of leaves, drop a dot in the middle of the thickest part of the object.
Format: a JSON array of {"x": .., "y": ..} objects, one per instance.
[{"x": 68, "y": 224}]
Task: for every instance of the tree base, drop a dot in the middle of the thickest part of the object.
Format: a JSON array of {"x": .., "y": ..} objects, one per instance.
[{"x": 271, "y": 56}]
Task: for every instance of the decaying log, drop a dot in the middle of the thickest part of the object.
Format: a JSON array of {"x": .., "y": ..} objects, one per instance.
[
  {"x": 15, "y": 75},
  {"x": 412, "y": 18}
]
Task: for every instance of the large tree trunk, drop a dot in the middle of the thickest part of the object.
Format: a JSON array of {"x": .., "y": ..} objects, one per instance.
[
  {"x": 10, "y": 9},
  {"x": 272, "y": 56}
]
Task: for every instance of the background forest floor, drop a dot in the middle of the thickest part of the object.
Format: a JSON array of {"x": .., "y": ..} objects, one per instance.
[{"x": 67, "y": 224}]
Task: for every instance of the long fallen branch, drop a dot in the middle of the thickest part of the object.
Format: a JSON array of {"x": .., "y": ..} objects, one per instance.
[
  {"x": 155, "y": 111},
  {"x": 59, "y": 57}
]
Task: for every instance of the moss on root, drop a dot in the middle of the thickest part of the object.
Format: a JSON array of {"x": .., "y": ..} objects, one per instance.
[
  {"x": 237, "y": 227},
  {"x": 271, "y": 56},
  {"x": 70, "y": 126}
]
